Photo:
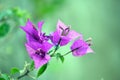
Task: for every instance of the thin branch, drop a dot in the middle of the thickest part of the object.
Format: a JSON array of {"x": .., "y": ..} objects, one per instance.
[
  {"x": 25, "y": 74},
  {"x": 56, "y": 48},
  {"x": 70, "y": 51}
]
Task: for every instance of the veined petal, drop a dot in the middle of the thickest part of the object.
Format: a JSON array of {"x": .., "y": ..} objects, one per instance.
[
  {"x": 64, "y": 41},
  {"x": 40, "y": 61},
  {"x": 32, "y": 38},
  {"x": 82, "y": 47},
  {"x": 55, "y": 37},
  {"x": 30, "y": 50},
  {"x": 40, "y": 25},
  {"x": 60, "y": 25},
  {"x": 73, "y": 34},
  {"x": 31, "y": 31},
  {"x": 46, "y": 46},
  {"x": 81, "y": 51},
  {"x": 35, "y": 45},
  {"x": 29, "y": 28}
]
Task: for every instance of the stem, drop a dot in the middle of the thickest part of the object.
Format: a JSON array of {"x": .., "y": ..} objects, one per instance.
[
  {"x": 25, "y": 74},
  {"x": 50, "y": 51},
  {"x": 56, "y": 48},
  {"x": 31, "y": 76},
  {"x": 70, "y": 51}
]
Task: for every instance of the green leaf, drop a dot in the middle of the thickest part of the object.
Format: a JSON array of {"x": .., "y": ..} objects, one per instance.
[
  {"x": 61, "y": 58},
  {"x": 2, "y": 79},
  {"x": 42, "y": 70},
  {"x": 4, "y": 28},
  {"x": 14, "y": 71},
  {"x": 5, "y": 77},
  {"x": 32, "y": 66}
]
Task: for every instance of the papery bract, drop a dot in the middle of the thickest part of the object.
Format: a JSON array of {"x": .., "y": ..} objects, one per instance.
[
  {"x": 38, "y": 52},
  {"x": 64, "y": 34},
  {"x": 37, "y": 43},
  {"x": 80, "y": 47},
  {"x": 32, "y": 34}
]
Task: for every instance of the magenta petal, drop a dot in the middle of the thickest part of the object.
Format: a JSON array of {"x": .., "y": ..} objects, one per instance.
[
  {"x": 30, "y": 50},
  {"x": 40, "y": 61},
  {"x": 35, "y": 45},
  {"x": 64, "y": 41},
  {"x": 29, "y": 23},
  {"x": 31, "y": 31},
  {"x": 64, "y": 33},
  {"x": 40, "y": 25},
  {"x": 60, "y": 24},
  {"x": 80, "y": 52},
  {"x": 46, "y": 46},
  {"x": 31, "y": 38},
  {"x": 29, "y": 28},
  {"x": 82, "y": 45},
  {"x": 73, "y": 35},
  {"x": 89, "y": 50},
  {"x": 55, "y": 37}
]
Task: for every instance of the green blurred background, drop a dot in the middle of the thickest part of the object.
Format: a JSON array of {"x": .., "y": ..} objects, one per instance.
[{"x": 99, "y": 19}]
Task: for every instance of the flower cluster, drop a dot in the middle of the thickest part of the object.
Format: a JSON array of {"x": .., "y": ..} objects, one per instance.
[{"x": 39, "y": 44}]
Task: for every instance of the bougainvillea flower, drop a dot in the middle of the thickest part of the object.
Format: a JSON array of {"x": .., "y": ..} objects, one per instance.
[
  {"x": 33, "y": 34},
  {"x": 64, "y": 34},
  {"x": 38, "y": 52},
  {"x": 80, "y": 48}
]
